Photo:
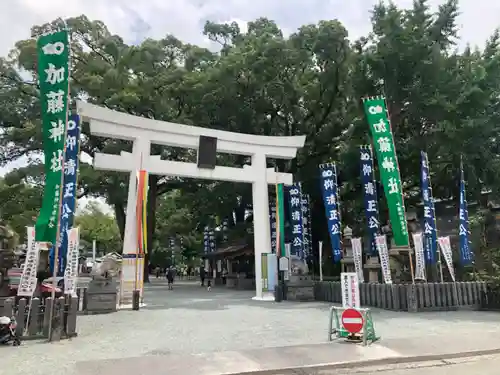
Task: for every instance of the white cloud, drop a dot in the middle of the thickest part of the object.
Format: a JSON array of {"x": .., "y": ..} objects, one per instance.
[{"x": 135, "y": 20}]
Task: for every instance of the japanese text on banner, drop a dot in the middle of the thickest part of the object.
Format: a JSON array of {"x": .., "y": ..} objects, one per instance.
[
  {"x": 430, "y": 235},
  {"x": 329, "y": 188},
  {"x": 445, "y": 245},
  {"x": 206, "y": 240},
  {"x": 357, "y": 253},
  {"x": 272, "y": 222},
  {"x": 73, "y": 255},
  {"x": 28, "y": 281},
  {"x": 376, "y": 115},
  {"x": 69, "y": 188},
  {"x": 53, "y": 73},
  {"x": 296, "y": 221},
  {"x": 370, "y": 195},
  {"x": 466, "y": 256},
  {"x": 419, "y": 256},
  {"x": 306, "y": 225},
  {"x": 211, "y": 239},
  {"x": 383, "y": 253}
]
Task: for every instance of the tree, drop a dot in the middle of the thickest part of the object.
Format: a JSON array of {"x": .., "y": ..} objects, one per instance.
[
  {"x": 261, "y": 82},
  {"x": 437, "y": 97},
  {"x": 100, "y": 226},
  {"x": 19, "y": 203}
]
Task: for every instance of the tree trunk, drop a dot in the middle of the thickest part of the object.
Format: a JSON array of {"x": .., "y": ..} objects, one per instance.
[
  {"x": 151, "y": 221},
  {"x": 119, "y": 209}
]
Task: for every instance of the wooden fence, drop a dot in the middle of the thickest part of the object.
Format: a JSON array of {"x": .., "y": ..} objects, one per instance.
[
  {"x": 408, "y": 297},
  {"x": 490, "y": 300},
  {"x": 33, "y": 320}
]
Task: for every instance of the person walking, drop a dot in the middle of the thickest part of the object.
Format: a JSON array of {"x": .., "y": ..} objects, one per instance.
[
  {"x": 170, "y": 278},
  {"x": 224, "y": 276},
  {"x": 202, "y": 275}
]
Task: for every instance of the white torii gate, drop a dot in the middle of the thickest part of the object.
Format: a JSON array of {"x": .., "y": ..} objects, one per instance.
[{"x": 143, "y": 132}]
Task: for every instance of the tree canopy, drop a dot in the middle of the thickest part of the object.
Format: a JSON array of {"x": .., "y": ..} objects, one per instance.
[
  {"x": 95, "y": 224},
  {"x": 441, "y": 99}
]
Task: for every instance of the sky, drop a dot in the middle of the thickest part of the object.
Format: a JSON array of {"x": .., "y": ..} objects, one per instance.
[{"x": 135, "y": 20}]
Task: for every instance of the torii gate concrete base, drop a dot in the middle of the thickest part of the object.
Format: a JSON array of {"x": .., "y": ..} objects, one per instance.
[{"x": 143, "y": 132}]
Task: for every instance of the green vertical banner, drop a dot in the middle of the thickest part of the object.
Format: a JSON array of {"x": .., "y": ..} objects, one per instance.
[
  {"x": 53, "y": 76},
  {"x": 376, "y": 114},
  {"x": 280, "y": 218}
]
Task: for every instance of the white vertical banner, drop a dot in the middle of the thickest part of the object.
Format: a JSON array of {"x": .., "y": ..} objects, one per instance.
[
  {"x": 94, "y": 251},
  {"x": 286, "y": 274},
  {"x": 445, "y": 246},
  {"x": 207, "y": 266},
  {"x": 350, "y": 290},
  {"x": 418, "y": 242},
  {"x": 357, "y": 253},
  {"x": 383, "y": 252},
  {"x": 28, "y": 282},
  {"x": 219, "y": 266},
  {"x": 71, "y": 271}
]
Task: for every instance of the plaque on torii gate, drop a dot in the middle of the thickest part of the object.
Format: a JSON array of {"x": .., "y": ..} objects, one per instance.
[{"x": 143, "y": 132}]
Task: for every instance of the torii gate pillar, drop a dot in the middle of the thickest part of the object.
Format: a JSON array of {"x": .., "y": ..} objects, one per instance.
[{"x": 143, "y": 132}]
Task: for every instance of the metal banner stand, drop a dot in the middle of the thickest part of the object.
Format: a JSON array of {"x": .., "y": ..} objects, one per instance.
[{"x": 366, "y": 336}]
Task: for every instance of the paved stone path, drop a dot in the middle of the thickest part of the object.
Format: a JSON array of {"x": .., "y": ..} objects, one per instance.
[
  {"x": 484, "y": 365},
  {"x": 190, "y": 321}
]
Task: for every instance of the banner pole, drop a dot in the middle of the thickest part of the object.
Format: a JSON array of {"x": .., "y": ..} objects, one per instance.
[
  {"x": 61, "y": 190},
  {"x": 440, "y": 266}
]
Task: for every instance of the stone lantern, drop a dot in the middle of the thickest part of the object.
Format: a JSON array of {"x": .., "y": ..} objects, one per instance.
[{"x": 348, "y": 258}]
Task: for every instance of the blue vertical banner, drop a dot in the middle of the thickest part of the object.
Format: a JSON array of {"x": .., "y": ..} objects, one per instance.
[
  {"x": 68, "y": 201},
  {"x": 211, "y": 239},
  {"x": 206, "y": 240},
  {"x": 171, "y": 243},
  {"x": 297, "y": 247},
  {"x": 272, "y": 223},
  {"x": 430, "y": 233},
  {"x": 370, "y": 195},
  {"x": 466, "y": 256},
  {"x": 225, "y": 224},
  {"x": 329, "y": 187},
  {"x": 306, "y": 225}
]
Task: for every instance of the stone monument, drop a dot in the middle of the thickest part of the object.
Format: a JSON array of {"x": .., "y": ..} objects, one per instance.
[
  {"x": 400, "y": 255},
  {"x": 103, "y": 288},
  {"x": 300, "y": 286}
]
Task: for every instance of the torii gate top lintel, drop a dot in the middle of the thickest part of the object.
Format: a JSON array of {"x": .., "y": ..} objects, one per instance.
[{"x": 109, "y": 123}]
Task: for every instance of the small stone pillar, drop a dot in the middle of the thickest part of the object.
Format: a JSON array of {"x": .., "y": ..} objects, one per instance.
[
  {"x": 399, "y": 256},
  {"x": 373, "y": 266},
  {"x": 348, "y": 258}
]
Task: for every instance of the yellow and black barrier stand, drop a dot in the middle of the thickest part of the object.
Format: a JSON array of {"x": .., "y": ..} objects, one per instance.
[{"x": 335, "y": 328}]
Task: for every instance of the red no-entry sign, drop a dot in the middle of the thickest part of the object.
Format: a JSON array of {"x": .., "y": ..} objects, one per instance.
[{"x": 352, "y": 320}]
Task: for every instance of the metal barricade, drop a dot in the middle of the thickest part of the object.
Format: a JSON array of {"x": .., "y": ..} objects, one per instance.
[{"x": 367, "y": 335}]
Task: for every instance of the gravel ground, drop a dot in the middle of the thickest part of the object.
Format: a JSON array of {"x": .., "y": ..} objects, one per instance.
[{"x": 191, "y": 320}]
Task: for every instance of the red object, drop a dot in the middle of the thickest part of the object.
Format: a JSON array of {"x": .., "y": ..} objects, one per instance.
[{"x": 352, "y": 320}]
